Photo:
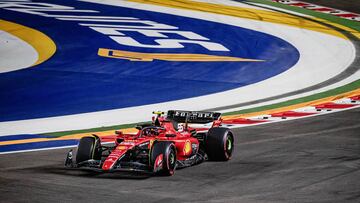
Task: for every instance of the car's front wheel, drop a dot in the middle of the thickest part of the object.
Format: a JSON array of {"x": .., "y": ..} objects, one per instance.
[
  {"x": 88, "y": 148},
  {"x": 163, "y": 158}
]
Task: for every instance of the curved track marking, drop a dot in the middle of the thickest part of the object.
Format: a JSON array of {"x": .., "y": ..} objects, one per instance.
[
  {"x": 137, "y": 56},
  {"x": 12, "y": 48},
  {"x": 246, "y": 13},
  {"x": 44, "y": 46},
  {"x": 296, "y": 106}
]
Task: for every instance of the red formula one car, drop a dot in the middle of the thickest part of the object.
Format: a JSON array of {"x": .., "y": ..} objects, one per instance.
[{"x": 169, "y": 142}]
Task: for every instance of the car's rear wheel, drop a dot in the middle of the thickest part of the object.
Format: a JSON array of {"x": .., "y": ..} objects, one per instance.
[
  {"x": 88, "y": 148},
  {"x": 219, "y": 144},
  {"x": 163, "y": 158}
]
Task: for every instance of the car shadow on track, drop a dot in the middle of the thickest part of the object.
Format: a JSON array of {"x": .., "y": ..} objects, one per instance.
[
  {"x": 62, "y": 170},
  {"x": 92, "y": 174}
]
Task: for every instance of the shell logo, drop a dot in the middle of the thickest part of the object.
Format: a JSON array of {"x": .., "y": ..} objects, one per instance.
[
  {"x": 121, "y": 147},
  {"x": 187, "y": 147}
]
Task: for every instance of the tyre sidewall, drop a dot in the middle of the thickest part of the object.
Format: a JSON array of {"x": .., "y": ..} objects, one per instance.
[
  {"x": 216, "y": 144},
  {"x": 88, "y": 149},
  {"x": 168, "y": 149}
]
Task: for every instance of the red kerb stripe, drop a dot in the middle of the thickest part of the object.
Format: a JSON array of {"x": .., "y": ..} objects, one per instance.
[
  {"x": 242, "y": 121},
  {"x": 331, "y": 105},
  {"x": 322, "y": 9},
  {"x": 291, "y": 114},
  {"x": 347, "y": 15}
]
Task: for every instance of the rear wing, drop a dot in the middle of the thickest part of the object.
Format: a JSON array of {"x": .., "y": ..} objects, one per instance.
[{"x": 193, "y": 116}]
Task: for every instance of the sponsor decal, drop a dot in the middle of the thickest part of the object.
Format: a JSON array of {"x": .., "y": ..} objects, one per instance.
[
  {"x": 180, "y": 127},
  {"x": 187, "y": 147},
  {"x": 121, "y": 147},
  {"x": 194, "y": 114},
  {"x": 144, "y": 144},
  {"x": 158, "y": 163},
  {"x": 128, "y": 143},
  {"x": 117, "y": 32}
]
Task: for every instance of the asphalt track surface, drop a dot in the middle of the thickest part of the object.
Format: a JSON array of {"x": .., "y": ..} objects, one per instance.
[
  {"x": 308, "y": 160},
  {"x": 348, "y": 5}
]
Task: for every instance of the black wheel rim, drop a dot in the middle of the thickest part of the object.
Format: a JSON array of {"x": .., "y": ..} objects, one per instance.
[{"x": 172, "y": 159}]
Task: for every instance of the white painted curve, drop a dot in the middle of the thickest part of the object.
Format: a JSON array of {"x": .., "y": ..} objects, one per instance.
[{"x": 12, "y": 49}]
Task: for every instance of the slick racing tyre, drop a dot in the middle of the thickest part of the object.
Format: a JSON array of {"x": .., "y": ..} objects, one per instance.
[
  {"x": 88, "y": 148},
  {"x": 219, "y": 144},
  {"x": 163, "y": 158}
]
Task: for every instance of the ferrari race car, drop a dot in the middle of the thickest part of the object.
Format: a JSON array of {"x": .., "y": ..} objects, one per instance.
[{"x": 177, "y": 140}]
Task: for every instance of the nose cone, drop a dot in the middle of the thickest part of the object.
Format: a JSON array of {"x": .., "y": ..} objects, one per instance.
[
  {"x": 113, "y": 158},
  {"x": 109, "y": 163}
]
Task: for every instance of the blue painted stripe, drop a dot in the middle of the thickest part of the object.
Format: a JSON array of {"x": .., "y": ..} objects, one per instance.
[
  {"x": 37, "y": 145},
  {"x": 77, "y": 80},
  {"x": 22, "y": 137}
]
